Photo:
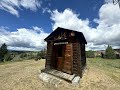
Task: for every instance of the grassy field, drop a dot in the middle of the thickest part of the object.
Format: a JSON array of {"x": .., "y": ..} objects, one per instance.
[
  {"x": 110, "y": 67},
  {"x": 101, "y": 74}
]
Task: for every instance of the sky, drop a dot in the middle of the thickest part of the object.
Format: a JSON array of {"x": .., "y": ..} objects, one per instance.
[{"x": 24, "y": 24}]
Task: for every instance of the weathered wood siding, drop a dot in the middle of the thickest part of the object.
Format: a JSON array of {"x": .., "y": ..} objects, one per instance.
[
  {"x": 49, "y": 55},
  {"x": 83, "y": 55},
  {"x": 73, "y": 61},
  {"x": 68, "y": 59},
  {"x": 77, "y": 59}
]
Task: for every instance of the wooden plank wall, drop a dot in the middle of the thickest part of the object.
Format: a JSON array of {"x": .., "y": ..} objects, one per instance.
[
  {"x": 75, "y": 64},
  {"x": 83, "y": 55},
  {"x": 68, "y": 59},
  {"x": 77, "y": 68},
  {"x": 49, "y": 55},
  {"x": 79, "y": 61}
]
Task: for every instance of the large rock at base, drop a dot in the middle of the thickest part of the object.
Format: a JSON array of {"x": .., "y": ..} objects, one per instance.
[
  {"x": 76, "y": 80},
  {"x": 55, "y": 80},
  {"x": 50, "y": 79}
]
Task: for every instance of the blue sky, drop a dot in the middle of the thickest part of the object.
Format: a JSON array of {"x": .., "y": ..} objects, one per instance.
[
  {"x": 86, "y": 9},
  {"x": 25, "y": 23}
]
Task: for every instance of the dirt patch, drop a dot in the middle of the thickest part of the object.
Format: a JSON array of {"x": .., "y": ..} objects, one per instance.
[{"x": 96, "y": 79}]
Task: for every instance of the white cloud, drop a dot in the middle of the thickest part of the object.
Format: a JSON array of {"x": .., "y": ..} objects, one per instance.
[
  {"x": 107, "y": 31},
  {"x": 68, "y": 19},
  {"x": 46, "y": 10},
  {"x": 108, "y": 1},
  {"x": 23, "y": 39},
  {"x": 30, "y": 4},
  {"x": 109, "y": 24},
  {"x": 109, "y": 14},
  {"x": 12, "y": 6},
  {"x": 9, "y": 8}
]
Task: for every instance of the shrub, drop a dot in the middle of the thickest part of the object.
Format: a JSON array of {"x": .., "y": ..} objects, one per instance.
[
  {"x": 90, "y": 54},
  {"x": 41, "y": 55},
  {"x": 7, "y": 57}
]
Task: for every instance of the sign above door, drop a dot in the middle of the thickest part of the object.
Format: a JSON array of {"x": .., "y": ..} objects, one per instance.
[{"x": 59, "y": 43}]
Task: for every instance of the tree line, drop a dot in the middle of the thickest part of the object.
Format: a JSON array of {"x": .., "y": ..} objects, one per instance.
[
  {"x": 109, "y": 53},
  {"x": 8, "y": 55}
]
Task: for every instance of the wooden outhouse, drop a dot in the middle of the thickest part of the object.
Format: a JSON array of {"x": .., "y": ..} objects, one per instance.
[{"x": 66, "y": 51}]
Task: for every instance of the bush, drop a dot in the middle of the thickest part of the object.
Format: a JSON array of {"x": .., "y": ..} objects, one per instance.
[
  {"x": 109, "y": 53},
  {"x": 17, "y": 58},
  {"x": 23, "y": 55},
  {"x": 90, "y": 54},
  {"x": 7, "y": 57},
  {"x": 41, "y": 55}
]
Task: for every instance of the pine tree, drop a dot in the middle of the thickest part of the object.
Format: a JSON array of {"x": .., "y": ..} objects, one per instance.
[
  {"x": 109, "y": 53},
  {"x": 3, "y": 51}
]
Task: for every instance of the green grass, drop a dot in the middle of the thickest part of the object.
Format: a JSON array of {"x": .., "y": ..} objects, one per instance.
[
  {"x": 8, "y": 62},
  {"x": 104, "y": 63},
  {"x": 110, "y": 66}
]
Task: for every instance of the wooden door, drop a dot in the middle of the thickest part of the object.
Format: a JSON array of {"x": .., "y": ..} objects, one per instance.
[
  {"x": 67, "y": 64},
  {"x": 60, "y": 56},
  {"x": 59, "y": 63}
]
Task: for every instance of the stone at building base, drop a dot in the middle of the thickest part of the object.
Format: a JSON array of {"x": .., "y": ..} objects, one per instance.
[
  {"x": 50, "y": 79},
  {"x": 76, "y": 80},
  {"x": 59, "y": 74},
  {"x": 56, "y": 80}
]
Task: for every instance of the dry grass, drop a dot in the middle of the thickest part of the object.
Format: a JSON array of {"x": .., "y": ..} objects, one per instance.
[{"x": 23, "y": 75}]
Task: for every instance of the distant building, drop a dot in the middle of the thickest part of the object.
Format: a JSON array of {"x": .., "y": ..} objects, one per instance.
[
  {"x": 117, "y": 53},
  {"x": 101, "y": 53}
]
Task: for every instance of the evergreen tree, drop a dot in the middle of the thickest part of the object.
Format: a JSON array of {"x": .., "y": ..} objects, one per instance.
[
  {"x": 3, "y": 51},
  {"x": 109, "y": 53}
]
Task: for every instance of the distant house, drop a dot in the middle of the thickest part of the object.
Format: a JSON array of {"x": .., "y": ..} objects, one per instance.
[
  {"x": 117, "y": 53},
  {"x": 101, "y": 53},
  {"x": 66, "y": 51}
]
